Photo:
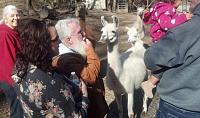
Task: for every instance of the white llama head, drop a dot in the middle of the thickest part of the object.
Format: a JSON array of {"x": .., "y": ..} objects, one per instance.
[
  {"x": 109, "y": 30},
  {"x": 140, "y": 11},
  {"x": 136, "y": 32}
]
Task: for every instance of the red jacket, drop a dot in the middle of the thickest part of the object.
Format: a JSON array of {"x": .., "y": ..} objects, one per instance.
[
  {"x": 162, "y": 16},
  {"x": 9, "y": 45}
]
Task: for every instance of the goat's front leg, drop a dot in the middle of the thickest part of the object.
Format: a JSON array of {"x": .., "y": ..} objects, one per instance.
[
  {"x": 119, "y": 102},
  {"x": 130, "y": 105}
]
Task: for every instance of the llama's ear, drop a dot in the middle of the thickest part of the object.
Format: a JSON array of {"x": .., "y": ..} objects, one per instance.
[
  {"x": 115, "y": 21},
  {"x": 103, "y": 21}
]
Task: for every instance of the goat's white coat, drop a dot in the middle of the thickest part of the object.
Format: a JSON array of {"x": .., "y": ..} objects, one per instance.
[
  {"x": 136, "y": 32},
  {"x": 89, "y": 3},
  {"x": 125, "y": 71}
]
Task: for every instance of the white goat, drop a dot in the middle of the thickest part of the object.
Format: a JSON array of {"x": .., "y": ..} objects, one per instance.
[
  {"x": 135, "y": 36},
  {"x": 136, "y": 32},
  {"x": 89, "y": 3},
  {"x": 126, "y": 71}
]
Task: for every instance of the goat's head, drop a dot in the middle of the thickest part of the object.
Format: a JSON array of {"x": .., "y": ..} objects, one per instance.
[
  {"x": 81, "y": 10},
  {"x": 109, "y": 30},
  {"x": 133, "y": 34},
  {"x": 136, "y": 32},
  {"x": 140, "y": 11}
]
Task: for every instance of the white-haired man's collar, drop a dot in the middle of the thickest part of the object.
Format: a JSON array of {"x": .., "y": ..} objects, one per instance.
[{"x": 64, "y": 49}]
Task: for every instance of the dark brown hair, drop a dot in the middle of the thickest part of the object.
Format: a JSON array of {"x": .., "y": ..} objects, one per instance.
[{"x": 35, "y": 47}]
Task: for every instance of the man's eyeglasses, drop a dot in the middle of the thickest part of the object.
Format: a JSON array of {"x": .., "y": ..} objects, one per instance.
[{"x": 79, "y": 34}]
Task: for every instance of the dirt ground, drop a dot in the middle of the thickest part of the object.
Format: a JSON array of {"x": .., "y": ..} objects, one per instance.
[{"x": 93, "y": 21}]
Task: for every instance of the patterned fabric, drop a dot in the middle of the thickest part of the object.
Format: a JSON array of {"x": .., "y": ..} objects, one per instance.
[
  {"x": 162, "y": 16},
  {"x": 43, "y": 96}
]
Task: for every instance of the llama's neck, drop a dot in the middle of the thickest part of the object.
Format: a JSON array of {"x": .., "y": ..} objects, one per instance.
[
  {"x": 139, "y": 23},
  {"x": 114, "y": 57}
]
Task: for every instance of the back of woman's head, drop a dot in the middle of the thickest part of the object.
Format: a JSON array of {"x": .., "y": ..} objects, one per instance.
[
  {"x": 7, "y": 11},
  {"x": 35, "y": 45}
]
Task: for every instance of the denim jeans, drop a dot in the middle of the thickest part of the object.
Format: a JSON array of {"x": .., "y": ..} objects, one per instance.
[
  {"x": 167, "y": 110},
  {"x": 11, "y": 97}
]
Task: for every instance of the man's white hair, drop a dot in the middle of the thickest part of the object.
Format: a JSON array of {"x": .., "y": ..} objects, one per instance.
[
  {"x": 63, "y": 28},
  {"x": 7, "y": 11}
]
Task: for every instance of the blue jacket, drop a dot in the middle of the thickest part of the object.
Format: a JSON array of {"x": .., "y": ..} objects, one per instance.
[{"x": 175, "y": 59}]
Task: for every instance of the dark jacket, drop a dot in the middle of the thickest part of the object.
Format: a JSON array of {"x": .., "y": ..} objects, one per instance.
[
  {"x": 88, "y": 70},
  {"x": 176, "y": 60}
]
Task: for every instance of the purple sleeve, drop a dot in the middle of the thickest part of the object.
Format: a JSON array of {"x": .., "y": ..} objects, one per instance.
[{"x": 168, "y": 21}]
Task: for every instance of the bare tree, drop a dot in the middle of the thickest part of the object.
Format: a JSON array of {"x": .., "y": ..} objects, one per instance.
[
  {"x": 111, "y": 5},
  {"x": 114, "y": 4}
]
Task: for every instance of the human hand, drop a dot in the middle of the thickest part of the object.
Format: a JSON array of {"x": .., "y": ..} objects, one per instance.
[
  {"x": 86, "y": 43},
  {"x": 147, "y": 86},
  {"x": 83, "y": 88},
  {"x": 188, "y": 15},
  {"x": 146, "y": 10}
]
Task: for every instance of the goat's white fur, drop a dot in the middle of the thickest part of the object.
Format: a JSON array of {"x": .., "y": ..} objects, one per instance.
[
  {"x": 125, "y": 71},
  {"x": 136, "y": 32},
  {"x": 89, "y": 3}
]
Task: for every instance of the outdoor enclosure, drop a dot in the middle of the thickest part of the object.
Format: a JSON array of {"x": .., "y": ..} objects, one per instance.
[{"x": 19, "y": 3}]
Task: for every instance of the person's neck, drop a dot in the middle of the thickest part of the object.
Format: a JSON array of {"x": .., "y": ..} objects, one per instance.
[
  {"x": 64, "y": 49},
  {"x": 10, "y": 26}
]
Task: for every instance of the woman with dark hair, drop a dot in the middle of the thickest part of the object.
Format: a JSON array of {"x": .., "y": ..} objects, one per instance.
[{"x": 41, "y": 93}]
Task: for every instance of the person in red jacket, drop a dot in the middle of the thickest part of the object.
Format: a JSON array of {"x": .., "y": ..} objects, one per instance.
[{"x": 9, "y": 46}]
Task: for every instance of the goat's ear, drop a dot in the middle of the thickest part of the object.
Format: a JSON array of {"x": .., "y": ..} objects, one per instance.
[
  {"x": 115, "y": 21},
  {"x": 103, "y": 21}
]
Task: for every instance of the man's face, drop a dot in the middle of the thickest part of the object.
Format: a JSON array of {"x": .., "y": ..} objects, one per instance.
[
  {"x": 77, "y": 34},
  {"x": 12, "y": 19},
  {"x": 75, "y": 41}
]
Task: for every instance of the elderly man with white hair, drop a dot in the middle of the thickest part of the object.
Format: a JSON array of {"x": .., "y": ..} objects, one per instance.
[
  {"x": 9, "y": 46},
  {"x": 76, "y": 54}
]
